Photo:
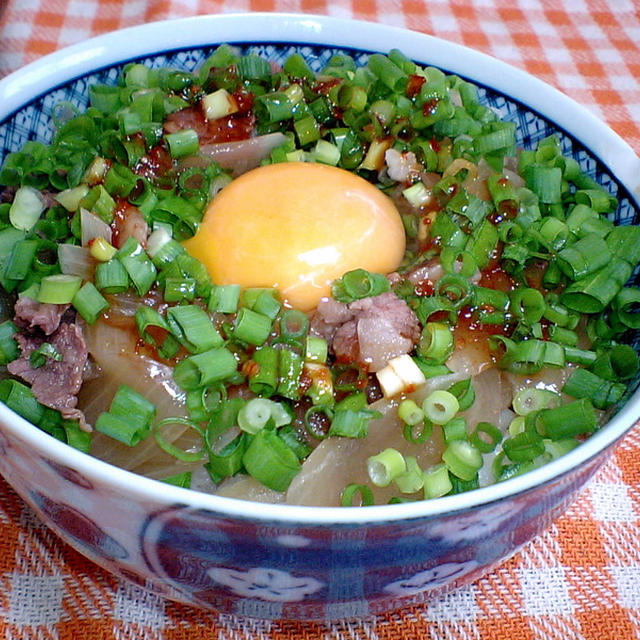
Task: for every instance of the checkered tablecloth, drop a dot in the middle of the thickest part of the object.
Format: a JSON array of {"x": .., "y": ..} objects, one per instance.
[{"x": 581, "y": 578}]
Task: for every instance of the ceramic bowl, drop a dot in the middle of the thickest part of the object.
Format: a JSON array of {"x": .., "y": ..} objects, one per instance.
[{"x": 277, "y": 561}]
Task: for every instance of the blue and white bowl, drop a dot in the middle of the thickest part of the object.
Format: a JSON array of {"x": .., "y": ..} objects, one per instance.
[{"x": 280, "y": 561}]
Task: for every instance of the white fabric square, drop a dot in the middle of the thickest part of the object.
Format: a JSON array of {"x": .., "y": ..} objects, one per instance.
[
  {"x": 627, "y": 581},
  {"x": 459, "y": 605},
  {"x": 81, "y": 8},
  {"x": 607, "y": 55},
  {"x": 545, "y": 591},
  {"x": 35, "y": 600},
  {"x": 134, "y": 605},
  {"x": 393, "y": 19},
  {"x": 572, "y": 81},
  {"x": 611, "y": 502}
]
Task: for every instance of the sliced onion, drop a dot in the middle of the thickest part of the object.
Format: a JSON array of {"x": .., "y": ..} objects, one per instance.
[
  {"x": 458, "y": 165},
  {"x": 516, "y": 180},
  {"x": 132, "y": 225},
  {"x": 114, "y": 351},
  {"x": 242, "y": 155},
  {"x": 92, "y": 227},
  {"x": 336, "y": 462},
  {"x": 76, "y": 261},
  {"x": 157, "y": 240}
]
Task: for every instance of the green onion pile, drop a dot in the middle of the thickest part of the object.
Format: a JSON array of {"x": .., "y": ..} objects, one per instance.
[{"x": 521, "y": 239}]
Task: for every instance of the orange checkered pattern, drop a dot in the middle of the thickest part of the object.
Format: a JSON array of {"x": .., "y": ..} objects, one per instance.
[{"x": 581, "y": 578}]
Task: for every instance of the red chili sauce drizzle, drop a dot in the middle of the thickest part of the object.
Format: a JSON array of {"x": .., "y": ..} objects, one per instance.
[
  {"x": 468, "y": 329},
  {"x": 237, "y": 126}
]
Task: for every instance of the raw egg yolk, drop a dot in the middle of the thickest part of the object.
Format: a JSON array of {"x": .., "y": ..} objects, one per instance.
[{"x": 297, "y": 226}]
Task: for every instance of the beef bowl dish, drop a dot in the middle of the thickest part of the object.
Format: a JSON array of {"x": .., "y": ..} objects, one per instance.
[{"x": 294, "y": 328}]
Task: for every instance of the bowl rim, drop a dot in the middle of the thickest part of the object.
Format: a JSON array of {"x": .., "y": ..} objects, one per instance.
[{"x": 42, "y": 76}]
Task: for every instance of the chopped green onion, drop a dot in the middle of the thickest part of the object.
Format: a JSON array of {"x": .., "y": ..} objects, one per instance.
[
  {"x": 545, "y": 181},
  {"x": 523, "y": 447},
  {"x": 182, "y": 143},
  {"x": 440, "y": 406},
  {"x": 528, "y": 304},
  {"x": 351, "y": 424},
  {"x": 436, "y": 343},
  {"x": 263, "y": 377},
  {"x": 409, "y": 412},
  {"x": 255, "y": 414},
  {"x": 20, "y": 261},
  {"x": 627, "y": 304},
  {"x": 412, "y": 479},
  {"x": 579, "y": 356},
  {"x": 358, "y": 284},
  {"x": 9, "y": 349},
  {"x": 224, "y": 298},
  {"x": 154, "y": 330},
  {"x": 316, "y": 349},
  {"x": 179, "y": 289},
  {"x": 172, "y": 449},
  {"x": 293, "y": 325},
  {"x": 461, "y": 486},
  {"x": 592, "y": 293},
  {"x": 387, "y": 72},
  {"x": 290, "y": 365},
  {"x": 251, "y": 327},
  {"x": 517, "y": 425},
  {"x": 100, "y": 202},
  {"x": 270, "y": 461},
  {"x": 89, "y": 302},
  {"x": 349, "y": 493},
  {"x": 26, "y": 208},
  {"x": 167, "y": 250},
  {"x": 486, "y": 437},
  {"x": 203, "y": 369},
  {"x": 575, "y": 418},
  {"x": 583, "y": 257},
  {"x": 417, "y": 433},
  {"x": 454, "y": 288},
  {"x": 602, "y": 393},
  {"x": 139, "y": 268},
  {"x": 179, "y": 480},
  {"x": 531, "y": 399},
  {"x": 191, "y": 325},
  {"x": 129, "y": 417},
  {"x": 38, "y": 357},
  {"x": 228, "y": 460},
  {"x": 462, "y": 459},
  {"x": 455, "y": 429},
  {"x": 385, "y": 467},
  {"x": 436, "y": 482},
  {"x": 624, "y": 242},
  {"x": 19, "y": 398},
  {"x": 464, "y": 393},
  {"x": 58, "y": 288},
  {"x": 111, "y": 277},
  {"x": 294, "y": 441},
  {"x": 620, "y": 362},
  {"x": 267, "y": 304}
]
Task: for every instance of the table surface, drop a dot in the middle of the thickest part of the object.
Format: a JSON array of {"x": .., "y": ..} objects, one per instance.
[{"x": 579, "y": 579}]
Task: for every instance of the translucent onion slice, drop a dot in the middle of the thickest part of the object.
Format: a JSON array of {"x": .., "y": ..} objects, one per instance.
[
  {"x": 242, "y": 155},
  {"x": 76, "y": 261},
  {"x": 245, "y": 487},
  {"x": 337, "y": 462},
  {"x": 92, "y": 227},
  {"x": 114, "y": 350}
]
